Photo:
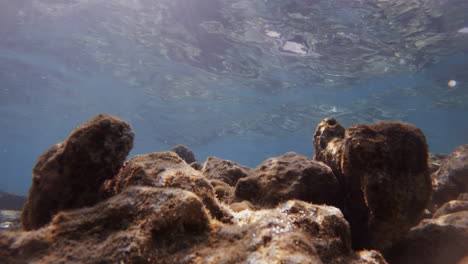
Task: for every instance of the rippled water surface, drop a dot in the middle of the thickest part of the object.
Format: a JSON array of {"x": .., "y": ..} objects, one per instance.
[{"x": 241, "y": 80}]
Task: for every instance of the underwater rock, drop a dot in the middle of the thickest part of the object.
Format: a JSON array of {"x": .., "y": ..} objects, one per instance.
[
  {"x": 241, "y": 206},
  {"x": 10, "y": 201},
  {"x": 10, "y": 220},
  {"x": 168, "y": 170},
  {"x": 291, "y": 176},
  {"x": 441, "y": 240},
  {"x": 70, "y": 174},
  {"x": 435, "y": 160},
  {"x": 451, "y": 207},
  {"x": 185, "y": 153},
  {"x": 383, "y": 172},
  {"x": 224, "y": 192},
  {"x": 140, "y": 225},
  {"x": 451, "y": 178},
  {"x": 166, "y": 225},
  {"x": 225, "y": 170},
  {"x": 196, "y": 165}
]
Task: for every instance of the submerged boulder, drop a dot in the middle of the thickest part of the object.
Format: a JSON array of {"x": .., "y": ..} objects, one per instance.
[
  {"x": 185, "y": 153},
  {"x": 290, "y": 176},
  {"x": 143, "y": 225},
  {"x": 167, "y": 170},
  {"x": 224, "y": 192},
  {"x": 224, "y": 170},
  {"x": 451, "y": 179},
  {"x": 70, "y": 174},
  {"x": 441, "y": 240},
  {"x": 384, "y": 177},
  {"x": 140, "y": 225}
]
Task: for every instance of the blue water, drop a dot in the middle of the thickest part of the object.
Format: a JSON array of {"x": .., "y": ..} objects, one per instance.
[{"x": 245, "y": 115}]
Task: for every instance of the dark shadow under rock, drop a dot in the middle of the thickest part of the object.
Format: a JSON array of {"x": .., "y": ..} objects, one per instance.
[
  {"x": 291, "y": 176},
  {"x": 441, "y": 240},
  {"x": 451, "y": 178},
  {"x": 384, "y": 177},
  {"x": 167, "y": 170},
  {"x": 71, "y": 173},
  {"x": 225, "y": 170},
  {"x": 185, "y": 153}
]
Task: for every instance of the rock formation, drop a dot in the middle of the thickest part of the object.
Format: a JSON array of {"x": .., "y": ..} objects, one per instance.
[
  {"x": 451, "y": 179},
  {"x": 442, "y": 239},
  {"x": 167, "y": 170},
  {"x": 87, "y": 206},
  {"x": 225, "y": 170},
  {"x": 70, "y": 174},
  {"x": 383, "y": 171},
  {"x": 185, "y": 153},
  {"x": 291, "y": 176},
  {"x": 169, "y": 225}
]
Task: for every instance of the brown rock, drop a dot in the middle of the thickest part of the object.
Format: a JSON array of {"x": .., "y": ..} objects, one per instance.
[
  {"x": 451, "y": 207},
  {"x": 291, "y": 176},
  {"x": 368, "y": 257},
  {"x": 463, "y": 196},
  {"x": 70, "y": 174},
  {"x": 168, "y": 170},
  {"x": 442, "y": 240},
  {"x": 185, "y": 153},
  {"x": 196, "y": 165},
  {"x": 225, "y": 170},
  {"x": 169, "y": 225},
  {"x": 224, "y": 192},
  {"x": 452, "y": 177},
  {"x": 435, "y": 160},
  {"x": 383, "y": 172},
  {"x": 140, "y": 225},
  {"x": 241, "y": 206}
]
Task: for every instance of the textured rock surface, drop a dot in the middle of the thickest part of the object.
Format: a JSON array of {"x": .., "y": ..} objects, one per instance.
[
  {"x": 451, "y": 178},
  {"x": 163, "y": 225},
  {"x": 224, "y": 192},
  {"x": 185, "y": 153},
  {"x": 225, "y": 170},
  {"x": 435, "y": 160},
  {"x": 69, "y": 175},
  {"x": 383, "y": 172},
  {"x": 451, "y": 207},
  {"x": 159, "y": 209},
  {"x": 168, "y": 170},
  {"x": 440, "y": 240},
  {"x": 290, "y": 176},
  {"x": 141, "y": 225},
  {"x": 10, "y": 201}
]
